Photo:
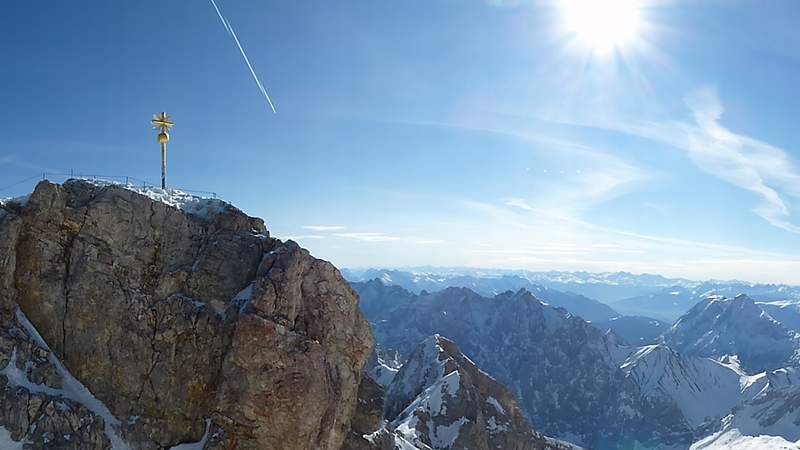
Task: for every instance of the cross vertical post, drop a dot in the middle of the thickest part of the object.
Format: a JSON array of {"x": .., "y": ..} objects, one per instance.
[{"x": 163, "y": 123}]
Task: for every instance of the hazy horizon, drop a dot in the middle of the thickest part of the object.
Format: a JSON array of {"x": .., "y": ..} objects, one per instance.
[{"x": 512, "y": 271}]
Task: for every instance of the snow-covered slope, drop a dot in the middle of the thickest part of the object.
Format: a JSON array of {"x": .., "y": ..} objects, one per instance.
[
  {"x": 771, "y": 420},
  {"x": 60, "y": 386},
  {"x": 734, "y": 440},
  {"x": 383, "y": 369},
  {"x": 703, "y": 389},
  {"x": 720, "y": 326},
  {"x": 441, "y": 400}
]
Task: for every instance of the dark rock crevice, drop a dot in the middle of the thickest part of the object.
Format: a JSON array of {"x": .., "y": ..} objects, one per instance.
[{"x": 71, "y": 231}]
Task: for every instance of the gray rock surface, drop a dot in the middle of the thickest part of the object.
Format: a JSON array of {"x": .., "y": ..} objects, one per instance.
[{"x": 172, "y": 315}]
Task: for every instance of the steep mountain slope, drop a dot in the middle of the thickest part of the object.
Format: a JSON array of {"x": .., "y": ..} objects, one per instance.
[
  {"x": 564, "y": 372},
  {"x": 702, "y": 388},
  {"x": 168, "y": 319},
  {"x": 785, "y": 312},
  {"x": 734, "y": 326},
  {"x": 771, "y": 420},
  {"x": 441, "y": 400}
]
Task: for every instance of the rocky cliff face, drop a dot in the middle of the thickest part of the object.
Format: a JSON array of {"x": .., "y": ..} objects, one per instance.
[{"x": 181, "y": 316}]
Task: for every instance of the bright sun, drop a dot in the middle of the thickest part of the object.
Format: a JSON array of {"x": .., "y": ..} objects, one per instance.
[{"x": 602, "y": 25}]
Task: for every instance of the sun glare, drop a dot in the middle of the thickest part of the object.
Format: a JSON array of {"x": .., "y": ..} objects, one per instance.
[{"x": 602, "y": 25}]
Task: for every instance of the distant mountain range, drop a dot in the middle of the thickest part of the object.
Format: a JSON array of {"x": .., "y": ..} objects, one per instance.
[
  {"x": 721, "y": 376},
  {"x": 671, "y": 302},
  {"x": 604, "y": 287},
  {"x": 628, "y": 294}
]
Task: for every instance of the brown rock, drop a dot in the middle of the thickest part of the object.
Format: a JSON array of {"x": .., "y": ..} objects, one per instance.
[{"x": 170, "y": 318}]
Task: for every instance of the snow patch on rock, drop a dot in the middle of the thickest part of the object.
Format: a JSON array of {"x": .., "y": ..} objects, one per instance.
[
  {"x": 493, "y": 401},
  {"x": 444, "y": 436},
  {"x": 73, "y": 389},
  {"x": 191, "y": 204},
  {"x": 6, "y": 443}
]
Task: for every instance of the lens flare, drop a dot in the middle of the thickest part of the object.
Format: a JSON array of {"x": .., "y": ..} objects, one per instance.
[{"x": 602, "y": 25}]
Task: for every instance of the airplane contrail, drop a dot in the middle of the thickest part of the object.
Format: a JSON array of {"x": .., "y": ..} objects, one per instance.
[{"x": 229, "y": 28}]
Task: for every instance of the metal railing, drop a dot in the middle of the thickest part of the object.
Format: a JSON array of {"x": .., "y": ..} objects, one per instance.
[{"x": 124, "y": 180}]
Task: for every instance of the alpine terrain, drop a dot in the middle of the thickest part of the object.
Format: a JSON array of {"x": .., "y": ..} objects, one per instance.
[{"x": 139, "y": 318}]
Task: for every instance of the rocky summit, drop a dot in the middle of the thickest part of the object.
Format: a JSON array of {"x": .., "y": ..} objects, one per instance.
[
  {"x": 440, "y": 400},
  {"x": 146, "y": 319}
]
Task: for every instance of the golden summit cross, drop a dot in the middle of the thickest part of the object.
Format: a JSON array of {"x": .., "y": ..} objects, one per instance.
[{"x": 163, "y": 122}]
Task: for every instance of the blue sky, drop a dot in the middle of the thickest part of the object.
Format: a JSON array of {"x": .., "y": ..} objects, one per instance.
[{"x": 460, "y": 133}]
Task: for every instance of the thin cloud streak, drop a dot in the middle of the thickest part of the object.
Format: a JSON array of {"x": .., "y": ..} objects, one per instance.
[
  {"x": 519, "y": 203},
  {"x": 740, "y": 160},
  {"x": 367, "y": 237},
  {"x": 232, "y": 33},
  {"x": 305, "y": 236},
  {"x": 605, "y": 176},
  {"x": 324, "y": 227}
]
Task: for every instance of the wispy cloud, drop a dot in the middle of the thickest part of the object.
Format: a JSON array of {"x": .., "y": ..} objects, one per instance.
[
  {"x": 519, "y": 235},
  {"x": 324, "y": 227},
  {"x": 597, "y": 174},
  {"x": 305, "y": 236},
  {"x": 368, "y": 237},
  {"x": 743, "y": 161},
  {"x": 428, "y": 241}
]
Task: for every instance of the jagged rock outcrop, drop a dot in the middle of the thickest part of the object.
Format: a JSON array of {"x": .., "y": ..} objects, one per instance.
[
  {"x": 564, "y": 372},
  {"x": 183, "y": 317},
  {"x": 440, "y": 399}
]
